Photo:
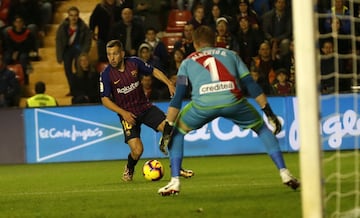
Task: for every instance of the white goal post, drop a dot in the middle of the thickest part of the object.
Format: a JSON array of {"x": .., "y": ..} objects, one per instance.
[{"x": 306, "y": 65}]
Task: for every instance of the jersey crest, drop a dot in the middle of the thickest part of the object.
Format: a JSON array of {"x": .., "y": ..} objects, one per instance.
[{"x": 134, "y": 73}]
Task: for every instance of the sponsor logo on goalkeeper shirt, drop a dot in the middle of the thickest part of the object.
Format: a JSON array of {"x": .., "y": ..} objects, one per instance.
[{"x": 216, "y": 87}]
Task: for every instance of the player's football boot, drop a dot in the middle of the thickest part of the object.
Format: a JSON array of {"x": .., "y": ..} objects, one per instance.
[
  {"x": 127, "y": 175},
  {"x": 186, "y": 173},
  {"x": 172, "y": 188},
  {"x": 289, "y": 179}
]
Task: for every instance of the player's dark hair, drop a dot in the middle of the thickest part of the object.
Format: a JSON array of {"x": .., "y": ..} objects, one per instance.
[
  {"x": 40, "y": 87},
  {"x": 205, "y": 35},
  {"x": 115, "y": 43}
]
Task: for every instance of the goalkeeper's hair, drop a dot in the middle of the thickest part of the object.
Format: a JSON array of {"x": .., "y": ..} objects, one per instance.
[{"x": 204, "y": 35}]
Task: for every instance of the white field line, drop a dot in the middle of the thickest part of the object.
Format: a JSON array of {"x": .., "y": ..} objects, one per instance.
[{"x": 137, "y": 188}]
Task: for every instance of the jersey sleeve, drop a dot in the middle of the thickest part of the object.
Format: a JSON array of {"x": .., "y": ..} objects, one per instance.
[
  {"x": 242, "y": 68},
  {"x": 144, "y": 68},
  {"x": 244, "y": 74},
  {"x": 182, "y": 71},
  {"x": 253, "y": 88},
  {"x": 105, "y": 85},
  {"x": 180, "y": 92}
]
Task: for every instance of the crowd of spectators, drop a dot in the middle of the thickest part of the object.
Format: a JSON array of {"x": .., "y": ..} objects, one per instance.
[
  {"x": 22, "y": 22},
  {"x": 260, "y": 31},
  {"x": 336, "y": 64},
  {"x": 22, "y": 30},
  {"x": 73, "y": 37}
]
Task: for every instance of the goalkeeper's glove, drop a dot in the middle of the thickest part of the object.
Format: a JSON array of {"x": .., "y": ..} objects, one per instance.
[
  {"x": 273, "y": 120},
  {"x": 166, "y": 137}
]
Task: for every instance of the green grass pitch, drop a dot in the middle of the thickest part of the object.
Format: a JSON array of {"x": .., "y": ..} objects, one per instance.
[{"x": 223, "y": 186}]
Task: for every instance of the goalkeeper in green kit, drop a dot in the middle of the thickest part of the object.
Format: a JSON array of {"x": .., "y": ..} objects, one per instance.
[{"x": 216, "y": 76}]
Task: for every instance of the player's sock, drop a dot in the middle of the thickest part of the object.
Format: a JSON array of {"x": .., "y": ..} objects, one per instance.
[
  {"x": 131, "y": 163},
  {"x": 175, "y": 179},
  {"x": 272, "y": 146},
  {"x": 176, "y": 151},
  {"x": 278, "y": 159}
]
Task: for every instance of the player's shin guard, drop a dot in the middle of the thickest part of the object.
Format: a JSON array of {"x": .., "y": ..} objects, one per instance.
[{"x": 176, "y": 152}]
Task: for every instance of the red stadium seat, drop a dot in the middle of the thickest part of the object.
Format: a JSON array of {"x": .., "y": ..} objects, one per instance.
[
  {"x": 101, "y": 66},
  {"x": 18, "y": 70},
  {"x": 169, "y": 41},
  {"x": 177, "y": 20}
]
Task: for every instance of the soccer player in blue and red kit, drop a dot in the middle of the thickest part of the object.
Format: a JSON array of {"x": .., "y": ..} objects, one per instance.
[
  {"x": 216, "y": 76},
  {"x": 121, "y": 92}
]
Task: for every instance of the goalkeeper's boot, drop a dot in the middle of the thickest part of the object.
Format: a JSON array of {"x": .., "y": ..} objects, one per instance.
[
  {"x": 186, "y": 173},
  {"x": 128, "y": 174},
  {"x": 172, "y": 188},
  {"x": 289, "y": 179}
]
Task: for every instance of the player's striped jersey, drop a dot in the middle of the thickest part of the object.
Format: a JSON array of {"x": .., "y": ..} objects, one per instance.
[
  {"x": 124, "y": 87},
  {"x": 215, "y": 76}
]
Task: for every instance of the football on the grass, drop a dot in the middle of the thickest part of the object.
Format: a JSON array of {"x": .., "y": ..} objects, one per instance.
[{"x": 153, "y": 170}]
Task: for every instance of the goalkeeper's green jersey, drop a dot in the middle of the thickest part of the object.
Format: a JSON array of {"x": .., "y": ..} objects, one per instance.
[{"x": 215, "y": 76}]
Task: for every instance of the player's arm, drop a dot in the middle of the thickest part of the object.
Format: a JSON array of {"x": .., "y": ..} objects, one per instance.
[
  {"x": 173, "y": 112},
  {"x": 158, "y": 74},
  {"x": 162, "y": 77},
  {"x": 265, "y": 106},
  {"x": 182, "y": 84},
  {"x": 256, "y": 92},
  {"x": 126, "y": 115}
]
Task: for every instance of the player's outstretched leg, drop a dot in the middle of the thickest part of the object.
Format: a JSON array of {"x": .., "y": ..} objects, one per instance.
[
  {"x": 289, "y": 179},
  {"x": 273, "y": 149},
  {"x": 176, "y": 156},
  {"x": 172, "y": 188}
]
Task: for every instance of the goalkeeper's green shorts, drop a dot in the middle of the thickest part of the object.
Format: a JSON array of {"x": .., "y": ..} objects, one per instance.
[{"x": 241, "y": 113}]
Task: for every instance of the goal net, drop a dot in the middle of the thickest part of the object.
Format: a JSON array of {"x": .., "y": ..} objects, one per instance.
[{"x": 327, "y": 43}]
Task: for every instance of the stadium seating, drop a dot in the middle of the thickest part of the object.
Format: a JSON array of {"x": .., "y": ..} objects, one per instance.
[
  {"x": 177, "y": 20},
  {"x": 18, "y": 70},
  {"x": 169, "y": 41}
]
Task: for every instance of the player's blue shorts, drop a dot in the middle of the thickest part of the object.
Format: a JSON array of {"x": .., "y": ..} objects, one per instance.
[{"x": 241, "y": 113}]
